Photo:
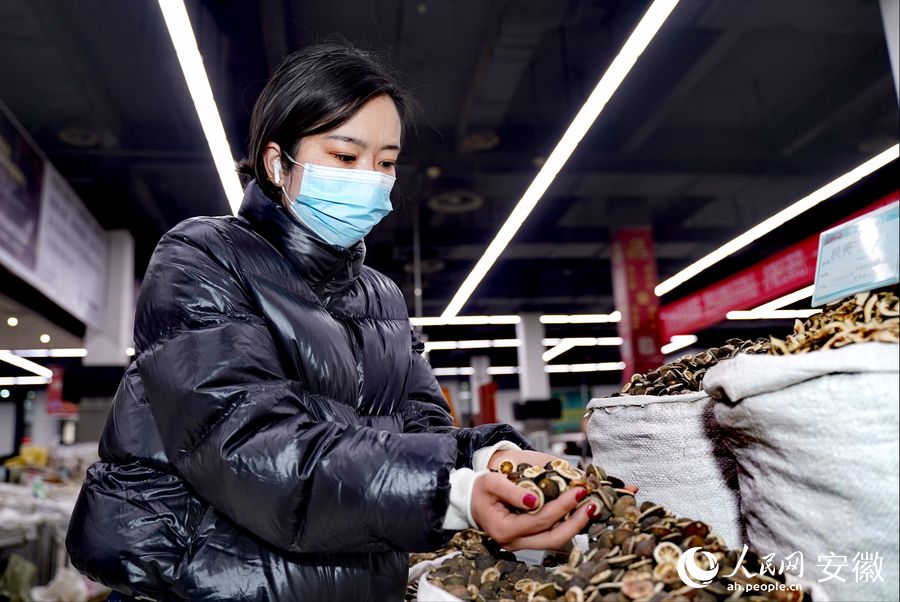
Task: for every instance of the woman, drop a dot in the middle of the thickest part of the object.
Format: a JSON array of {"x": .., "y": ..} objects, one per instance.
[{"x": 279, "y": 436}]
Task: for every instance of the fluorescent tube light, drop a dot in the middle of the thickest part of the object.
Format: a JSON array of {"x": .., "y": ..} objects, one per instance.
[
  {"x": 552, "y": 369},
  {"x": 611, "y": 318},
  {"x": 601, "y": 367},
  {"x": 478, "y": 344},
  {"x": 772, "y": 314},
  {"x": 560, "y": 346},
  {"x": 466, "y": 321},
  {"x": 484, "y": 344},
  {"x": 558, "y": 350},
  {"x": 21, "y": 362},
  {"x": 789, "y": 299},
  {"x": 640, "y": 38},
  {"x": 453, "y": 371},
  {"x": 808, "y": 202},
  {"x": 494, "y": 343},
  {"x": 679, "y": 341},
  {"x": 75, "y": 352},
  {"x": 11, "y": 381},
  {"x": 179, "y": 26}
]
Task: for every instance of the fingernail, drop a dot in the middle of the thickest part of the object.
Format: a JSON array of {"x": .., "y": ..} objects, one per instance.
[
  {"x": 591, "y": 510},
  {"x": 530, "y": 500},
  {"x": 582, "y": 493}
]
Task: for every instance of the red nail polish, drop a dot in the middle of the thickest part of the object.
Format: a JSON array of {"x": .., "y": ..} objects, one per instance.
[
  {"x": 582, "y": 493},
  {"x": 530, "y": 500},
  {"x": 591, "y": 510}
]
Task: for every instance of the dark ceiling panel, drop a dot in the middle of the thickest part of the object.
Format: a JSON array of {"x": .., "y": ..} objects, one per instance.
[{"x": 735, "y": 110}]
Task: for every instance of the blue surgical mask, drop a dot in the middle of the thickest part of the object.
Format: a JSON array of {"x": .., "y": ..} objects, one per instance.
[{"x": 342, "y": 205}]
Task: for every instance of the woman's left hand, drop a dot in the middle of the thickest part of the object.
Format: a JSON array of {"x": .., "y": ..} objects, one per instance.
[{"x": 525, "y": 456}]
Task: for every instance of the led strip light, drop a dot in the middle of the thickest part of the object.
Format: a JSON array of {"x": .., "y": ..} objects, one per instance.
[
  {"x": 12, "y": 381},
  {"x": 610, "y": 318},
  {"x": 554, "y": 369},
  {"x": 637, "y": 42},
  {"x": 808, "y": 202},
  {"x": 179, "y": 26},
  {"x": 25, "y": 364}
]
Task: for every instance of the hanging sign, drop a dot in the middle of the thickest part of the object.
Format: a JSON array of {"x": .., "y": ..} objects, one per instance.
[{"x": 860, "y": 255}]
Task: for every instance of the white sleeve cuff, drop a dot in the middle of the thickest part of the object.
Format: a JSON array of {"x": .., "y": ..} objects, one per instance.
[
  {"x": 459, "y": 512},
  {"x": 482, "y": 457}
]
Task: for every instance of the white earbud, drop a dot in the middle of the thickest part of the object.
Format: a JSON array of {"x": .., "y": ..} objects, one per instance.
[{"x": 277, "y": 169}]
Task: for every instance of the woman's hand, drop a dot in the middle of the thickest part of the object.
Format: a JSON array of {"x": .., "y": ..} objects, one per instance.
[{"x": 492, "y": 496}]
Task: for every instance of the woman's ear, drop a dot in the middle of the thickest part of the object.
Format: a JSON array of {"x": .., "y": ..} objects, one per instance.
[{"x": 272, "y": 163}]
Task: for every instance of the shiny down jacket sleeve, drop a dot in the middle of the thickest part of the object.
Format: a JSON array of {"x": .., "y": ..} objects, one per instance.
[
  {"x": 248, "y": 439},
  {"x": 428, "y": 411}
]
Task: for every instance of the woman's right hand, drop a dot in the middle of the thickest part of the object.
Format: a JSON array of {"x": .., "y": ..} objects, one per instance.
[{"x": 493, "y": 495}]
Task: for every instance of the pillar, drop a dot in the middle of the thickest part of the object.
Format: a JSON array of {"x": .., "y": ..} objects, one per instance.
[
  {"x": 634, "y": 278},
  {"x": 478, "y": 378},
  {"x": 106, "y": 346},
  {"x": 534, "y": 382}
]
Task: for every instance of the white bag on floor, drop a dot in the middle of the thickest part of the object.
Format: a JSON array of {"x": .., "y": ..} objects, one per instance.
[
  {"x": 669, "y": 447},
  {"x": 816, "y": 440}
]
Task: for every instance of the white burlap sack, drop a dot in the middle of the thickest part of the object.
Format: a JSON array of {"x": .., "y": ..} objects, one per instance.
[
  {"x": 816, "y": 440},
  {"x": 670, "y": 448}
]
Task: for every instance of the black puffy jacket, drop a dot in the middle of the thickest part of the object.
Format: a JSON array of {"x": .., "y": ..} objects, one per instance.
[{"x": 279, "y": 436}]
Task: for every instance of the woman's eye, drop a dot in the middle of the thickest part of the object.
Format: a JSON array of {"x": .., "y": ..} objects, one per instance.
[
  {"x": 388, "y": 164},
  {"x": 345, "y": 158}
]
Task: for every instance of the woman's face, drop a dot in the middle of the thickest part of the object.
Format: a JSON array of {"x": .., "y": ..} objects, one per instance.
[{"x": 369, "y": 140}]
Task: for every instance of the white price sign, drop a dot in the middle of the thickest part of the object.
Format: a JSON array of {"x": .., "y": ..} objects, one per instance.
[{"x": 860, "y": 255}]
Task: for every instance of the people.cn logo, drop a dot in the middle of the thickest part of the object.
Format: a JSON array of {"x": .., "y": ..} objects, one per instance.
[{"x": 693, "y": 575}]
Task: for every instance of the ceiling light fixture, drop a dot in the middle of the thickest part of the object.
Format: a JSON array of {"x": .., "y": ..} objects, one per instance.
[
  {"x": 639, "y": 39},
  {"x": 679, "y": 341},
  {"x": 495, "y": 343},
  {"x": 477, "y": 344},
  {"x": 12, "y": 321},
  {"x": 21, "y": 362},
  {"x": 466, "y": 321},
  {"x": 12, "y": 381},
  {"x": 611, "y": 318},
  {"x": 601, "y": 367},
  {"x": 789, "y": 299},
  {"x": 552, "y": 369},
  {"x": 74, "y": 352},
  {"x": 179, "y": 26},
  {"x": 45, "y": 338},
  {"x": 772, "y": 314},
  {"x": 808, "y": 202},
  {"x": 558, "y": 350},
  {"x": 564, "y": 345}
]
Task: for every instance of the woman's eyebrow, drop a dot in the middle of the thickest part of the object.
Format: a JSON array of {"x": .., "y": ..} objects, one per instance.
[{"x": 360, "y": 143}]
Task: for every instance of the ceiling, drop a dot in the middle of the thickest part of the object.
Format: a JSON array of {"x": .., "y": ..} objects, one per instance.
[{"x": 735, "y": 110}]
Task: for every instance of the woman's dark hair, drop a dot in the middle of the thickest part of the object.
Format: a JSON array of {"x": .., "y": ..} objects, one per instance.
[{"x": 314, "y": 90}]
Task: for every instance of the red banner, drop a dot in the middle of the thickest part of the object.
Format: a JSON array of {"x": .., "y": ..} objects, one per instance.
[
  {"x": 783, "y": 273},
  {"x": 487, "y": 399},
  {"x": 55, "y": 404},
  {"x": 634, "y": 277}
]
